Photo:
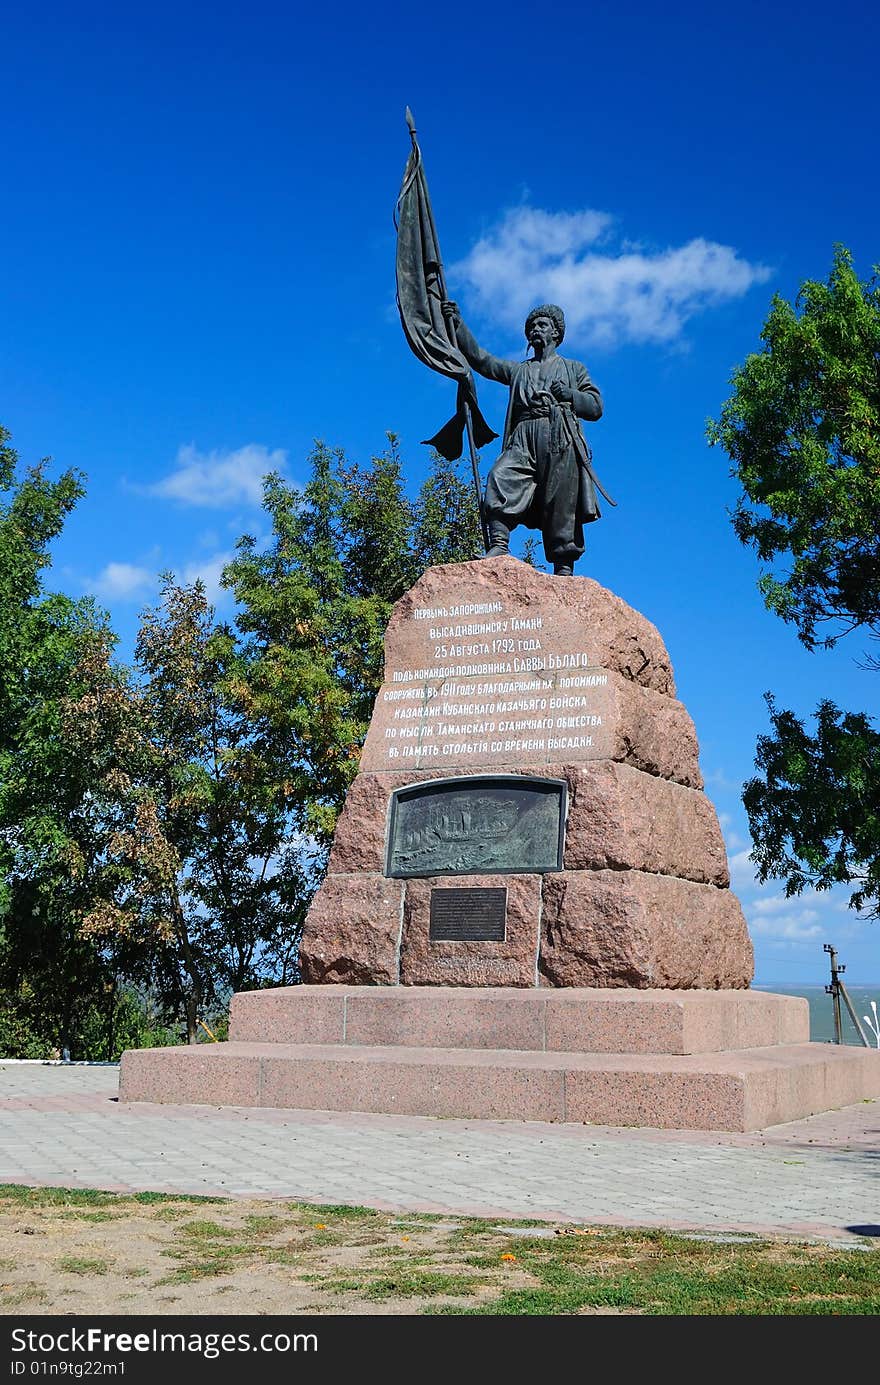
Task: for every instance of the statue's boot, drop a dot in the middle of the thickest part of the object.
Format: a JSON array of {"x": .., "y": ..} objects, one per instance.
[
  {"x": 563, "y": 570},
  {"x": 499, "y": 539}
]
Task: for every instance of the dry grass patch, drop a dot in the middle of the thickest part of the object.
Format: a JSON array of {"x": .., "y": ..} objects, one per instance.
[{"x": 64, "y": 1251}]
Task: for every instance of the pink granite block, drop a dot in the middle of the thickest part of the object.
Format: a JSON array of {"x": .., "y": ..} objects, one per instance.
[
  {"x": 613, "y": 1021},
  {"x": 597, "y": 1020},
  {"x": 746, "y": 1090},
  {"x": 659, "y": 1098},
  {"x": 583, "y": 617},
  {"x": 289, "y": 1015},
  {"x": 618, "y": 816},
  {"x": 758, "y": 1019},
  {"x": 657, "y": 735},
  {"x": 773, "y": 1092},
  {"x": 508, "y": 963},
  {"x": 359, "y": 843},
  {"x": 203, "y": 1074},
  {"x": 417, "y": 1081},
  {"x": 629, "y": 928},
  {"x": 359, "y": 839},
  {"x": 806, "y": 1079},
  {"x": 864, "y": 1080},
  {"x": 447, "y": 1017},
  {"x": 623, "y": 818},
  {"x": 624, "y": 721},
  {"x": 681, "y": 1021},
  {"x": 352, "y": 931},
  {"x": 586, "y": 655}
]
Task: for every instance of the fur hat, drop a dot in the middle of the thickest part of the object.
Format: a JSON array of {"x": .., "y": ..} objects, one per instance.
[{"x": 556, "y": 316}]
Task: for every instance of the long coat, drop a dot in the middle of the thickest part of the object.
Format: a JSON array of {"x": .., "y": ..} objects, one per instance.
[{"x": 525, "y": 395}]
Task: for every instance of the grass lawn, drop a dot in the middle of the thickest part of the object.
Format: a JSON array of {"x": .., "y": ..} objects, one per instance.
[{"x": 83, "y": 1252}]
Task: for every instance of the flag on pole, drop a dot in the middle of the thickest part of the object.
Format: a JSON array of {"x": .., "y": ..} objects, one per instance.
[{"x": 420, "y": 294}]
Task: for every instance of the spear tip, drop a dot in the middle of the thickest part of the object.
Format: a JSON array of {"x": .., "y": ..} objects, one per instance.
[{"x": 410, "y": 121}]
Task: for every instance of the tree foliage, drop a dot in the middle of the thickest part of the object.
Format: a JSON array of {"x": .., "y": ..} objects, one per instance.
[
  {"x": 311, "y": 641},
  {"x": 198, "y": 888},
  {"x": 52, "y": 978},
  {"x": 815, "y": 812},
  {"x": 802, "y": 428},
  {"x": 447, "y": 524}
]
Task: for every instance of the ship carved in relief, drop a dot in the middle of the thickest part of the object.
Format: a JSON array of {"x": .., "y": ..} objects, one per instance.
[
  {"x": 468, "y": 820},
  {"x": 479, "y": 829}
]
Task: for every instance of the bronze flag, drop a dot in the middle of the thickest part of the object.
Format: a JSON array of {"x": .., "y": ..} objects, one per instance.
[{"x": 420, "y": 294}]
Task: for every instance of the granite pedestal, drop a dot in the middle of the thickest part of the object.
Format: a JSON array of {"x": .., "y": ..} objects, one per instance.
[
  {"x": 527, "y": 911},
  {"x": 697, "y": 1060}
]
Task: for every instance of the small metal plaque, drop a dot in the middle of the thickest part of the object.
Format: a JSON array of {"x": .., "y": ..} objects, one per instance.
[
  {"x": 477, "y": 825},
  {"x": 475, "y": 915}
]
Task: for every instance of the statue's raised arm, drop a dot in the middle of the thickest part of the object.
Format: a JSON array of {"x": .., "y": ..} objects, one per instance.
[{"x": 490, "y": 367}]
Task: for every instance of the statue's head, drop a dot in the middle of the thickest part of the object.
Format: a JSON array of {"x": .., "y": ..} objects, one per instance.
[{"x": 556, "y": 316}]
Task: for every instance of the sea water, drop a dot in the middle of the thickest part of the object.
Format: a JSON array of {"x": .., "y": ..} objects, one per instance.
[{"x": 822, "y": 1010}]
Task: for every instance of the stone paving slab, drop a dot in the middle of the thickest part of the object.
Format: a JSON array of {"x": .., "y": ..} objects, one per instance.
[{"x": 62, "y": 1125}]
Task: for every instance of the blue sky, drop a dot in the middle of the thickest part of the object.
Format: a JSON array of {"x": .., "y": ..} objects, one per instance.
[{"x": 197, "y": 250}]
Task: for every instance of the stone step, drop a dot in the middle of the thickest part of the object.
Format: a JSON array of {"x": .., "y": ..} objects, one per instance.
[
  {"x": 547, "y": 1019},
  {"x": 748, "y": 1089}
]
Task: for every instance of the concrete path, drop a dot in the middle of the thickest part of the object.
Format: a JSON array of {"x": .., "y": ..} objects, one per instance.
[{"x": 61, "y": 1125}]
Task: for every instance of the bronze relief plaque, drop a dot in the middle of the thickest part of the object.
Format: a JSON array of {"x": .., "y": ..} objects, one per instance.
[{"x": 488, "y": 825}]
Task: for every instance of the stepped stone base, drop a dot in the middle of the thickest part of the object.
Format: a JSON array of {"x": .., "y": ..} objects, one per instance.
[
  {"x": 692, "y": 1060},
  {"x": 568, "y": 1020}
]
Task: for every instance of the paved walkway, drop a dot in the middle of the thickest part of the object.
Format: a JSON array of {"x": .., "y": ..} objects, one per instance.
[{"x": 816, "y": 1178}]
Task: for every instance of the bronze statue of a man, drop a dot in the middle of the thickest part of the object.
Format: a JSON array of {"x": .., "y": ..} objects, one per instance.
[{"x": 544, "y": 476}]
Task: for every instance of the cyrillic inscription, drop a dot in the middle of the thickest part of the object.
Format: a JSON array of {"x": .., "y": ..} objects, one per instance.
[{"x": 477, "y": 915}]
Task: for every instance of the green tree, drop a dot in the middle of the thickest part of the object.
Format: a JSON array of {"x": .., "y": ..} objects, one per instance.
[
  {"x": 815, "y": 813},
  {"x": 375, "y": 529},
  {"x": 447, "y": 523},
  {"x": 802, "y": 428},
  {"x": 241, "y": 889},
  {"x": 313, "y": 607},
  {"x": 200, "y": 888},
  {"x": 301, "y": 682},
  {"x": 52, "y": 977}
]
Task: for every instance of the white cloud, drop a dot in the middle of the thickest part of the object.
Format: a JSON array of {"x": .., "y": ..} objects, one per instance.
[
  {"x": 790, "y": 920},
  {"x": 770, "y": 915},
  {"x": 208, "y": 571},
  {"x": 719, "y": 780},
  {"x": 610, "y": 295},
  {"x": 220, "y": 478},
  {"x": 772, "y": 904},
  {"x": 733, "y": 839},
  {"x": 805, "y": 917},
  {"x": 122, "y": 582},
  {"x": 742, "y": 870}
]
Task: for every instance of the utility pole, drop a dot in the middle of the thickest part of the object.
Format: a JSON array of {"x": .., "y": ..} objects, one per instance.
[{"x": 836, "y": 990}]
